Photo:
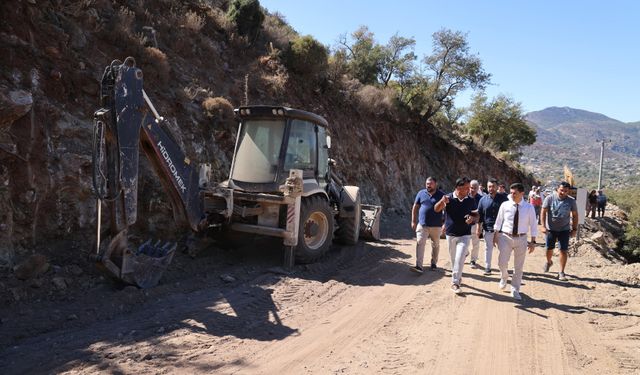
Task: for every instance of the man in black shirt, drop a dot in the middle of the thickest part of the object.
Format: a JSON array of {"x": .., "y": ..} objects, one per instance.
[{"x": 461, "y": 213}]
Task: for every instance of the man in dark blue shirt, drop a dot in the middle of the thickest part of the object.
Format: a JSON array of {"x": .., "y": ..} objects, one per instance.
[
  {"x": 488, "y": 210},
  {"x": 427, "y": 223},
  {"x": 461, "y": 213}
]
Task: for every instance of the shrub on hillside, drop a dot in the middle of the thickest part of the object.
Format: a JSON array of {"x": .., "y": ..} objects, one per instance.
[
  {"x": 337, "y": 66},
  {"x": 193, "y": 21},
  {"x": 156, "y": 66},
  {"x": 629, "y": 201},
  {"x": 220, "y": 18},
  {"x": 247, "y": 15},
  {"x": 278, "y": 30},
  {"x": 218, "y": 109},
  {"x": 306, "y": 56}
]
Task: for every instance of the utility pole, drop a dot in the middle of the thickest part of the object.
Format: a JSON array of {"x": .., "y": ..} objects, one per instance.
[{"x": 601, "y": 160}]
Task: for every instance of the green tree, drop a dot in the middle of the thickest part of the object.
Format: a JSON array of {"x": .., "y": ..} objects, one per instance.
[
  {"x": 306, "y": 56},
  {"x": 397, "y": 59},
  {"x": 364, "y": 55},
  {"x": 452, "y": 69},
  {"x": 500, "y": 124},
  {"x": 247, "y": 15}
]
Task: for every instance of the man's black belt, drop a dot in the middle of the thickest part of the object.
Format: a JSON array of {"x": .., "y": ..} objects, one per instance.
[{"x": 514, "y": 235}]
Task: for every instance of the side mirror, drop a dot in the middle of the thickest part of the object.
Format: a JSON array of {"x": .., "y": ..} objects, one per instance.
[{"x": 328, "y": 141}]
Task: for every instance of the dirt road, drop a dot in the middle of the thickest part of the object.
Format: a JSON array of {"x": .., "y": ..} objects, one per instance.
[{"x": 358, "y": 311}]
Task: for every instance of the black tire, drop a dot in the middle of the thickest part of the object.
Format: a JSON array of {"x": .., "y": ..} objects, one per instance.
[
  {"x": 349, "y": 227},
  {"x": 316, "y": 229}
]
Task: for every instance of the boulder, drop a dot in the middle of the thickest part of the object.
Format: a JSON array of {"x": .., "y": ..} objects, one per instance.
[{"x": 598, "y": 238}]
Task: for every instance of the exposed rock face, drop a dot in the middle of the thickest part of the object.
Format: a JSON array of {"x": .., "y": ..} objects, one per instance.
[
  {"x": 34, "y": 266},
  {"x": 13, "y": 105},
  {"x": 53, "y": 58}
]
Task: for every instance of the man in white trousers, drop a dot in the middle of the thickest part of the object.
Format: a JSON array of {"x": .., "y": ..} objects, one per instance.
[
  {"x": 474, "y": 192},
  {"x": 461, "y": 212},
  {"x": 515, "y": 219}
]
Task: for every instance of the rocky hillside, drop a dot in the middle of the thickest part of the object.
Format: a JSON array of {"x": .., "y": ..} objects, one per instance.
[
  {"x": 571, "y": 136},
  {"x": 54, "y": 54}
]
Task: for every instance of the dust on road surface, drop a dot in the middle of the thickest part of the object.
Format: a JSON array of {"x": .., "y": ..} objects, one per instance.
[{"x": 357, "y": 311}]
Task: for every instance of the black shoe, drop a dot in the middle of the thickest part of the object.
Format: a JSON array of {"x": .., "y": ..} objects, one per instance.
[
  {"x": 433, "y": 267},
  {"x": 417, "y": 269}
]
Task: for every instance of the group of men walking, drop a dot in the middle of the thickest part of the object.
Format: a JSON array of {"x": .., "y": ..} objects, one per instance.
[{"x": 504, "y": 220}]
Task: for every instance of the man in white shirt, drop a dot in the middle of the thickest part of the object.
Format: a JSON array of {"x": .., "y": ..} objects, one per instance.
[
  {"x": 531, "y": 192},
  {"x": 515, "y": 218},
  {"x": 474, "y": 192}
]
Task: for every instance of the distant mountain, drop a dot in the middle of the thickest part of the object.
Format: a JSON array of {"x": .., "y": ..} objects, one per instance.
[
  {"x": 551, "y": 117},
  {"x": 573, "y": 137}
]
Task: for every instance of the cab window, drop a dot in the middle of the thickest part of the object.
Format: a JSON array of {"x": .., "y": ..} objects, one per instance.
[{"x": 302, "y": 146}]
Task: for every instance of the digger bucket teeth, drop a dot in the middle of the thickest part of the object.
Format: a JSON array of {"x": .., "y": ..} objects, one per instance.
[
  {"x": 370, "y": 222},
  {"x": 143, "y": 267}
]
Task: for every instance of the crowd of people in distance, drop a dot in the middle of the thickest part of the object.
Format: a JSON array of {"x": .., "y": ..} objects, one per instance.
[{"x": 508, "y": 221}]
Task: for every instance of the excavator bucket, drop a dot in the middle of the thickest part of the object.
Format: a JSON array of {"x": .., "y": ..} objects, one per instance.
[
  {"x": 142, "y": 267},
  {"x": 370, "y": 222},
  {"x": 145, "y": 266}
]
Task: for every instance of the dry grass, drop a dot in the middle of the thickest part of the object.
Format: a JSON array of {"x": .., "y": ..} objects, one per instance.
[
  {"x": 276, "y": 83},
  {"x": 74, "y": 8},
  {"x": 126, "y": 17},
  {"x": 279, "y": 32},
  {"x": 192, "y": 21},
  {"x": 157, "y": 68},
  {"x": 220, "y": 18},
  {"x": 218, "y": 108},
  {"x": 376, "y": 100},
  {"x": 194, "y": 91}
]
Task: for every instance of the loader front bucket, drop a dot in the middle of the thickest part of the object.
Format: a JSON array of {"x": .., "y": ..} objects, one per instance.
[
  {"x": 142, "y": 267},
  {"x": 370, "y": 222}
]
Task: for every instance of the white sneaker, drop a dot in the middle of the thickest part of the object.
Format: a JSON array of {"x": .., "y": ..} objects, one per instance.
[
  {"x": 502, "y": 284},
  {"x": 516, "y": 295}
]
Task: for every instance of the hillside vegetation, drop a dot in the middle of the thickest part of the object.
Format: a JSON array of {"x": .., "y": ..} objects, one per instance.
[
  {"x": 391, "y": 126},
  {"x": 629, "y": 201}
]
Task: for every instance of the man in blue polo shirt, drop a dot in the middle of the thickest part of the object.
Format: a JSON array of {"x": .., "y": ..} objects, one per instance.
[
  {"x": 427, "y": 223},
  {"x": 488, "y": 210},
  {"x": 461, "y": 213}
]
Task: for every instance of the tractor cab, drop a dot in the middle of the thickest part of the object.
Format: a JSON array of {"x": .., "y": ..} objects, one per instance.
[{"x": 274, "y": 140}]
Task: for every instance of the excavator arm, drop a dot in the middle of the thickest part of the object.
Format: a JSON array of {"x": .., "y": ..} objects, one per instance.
[{"x": 126, "y": 124}]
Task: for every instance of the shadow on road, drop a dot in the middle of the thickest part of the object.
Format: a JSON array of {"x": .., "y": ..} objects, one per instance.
[{"x": 530, "y": 303}]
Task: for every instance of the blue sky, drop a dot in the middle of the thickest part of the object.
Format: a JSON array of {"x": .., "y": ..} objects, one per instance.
[{"x": 579, "y": 54}]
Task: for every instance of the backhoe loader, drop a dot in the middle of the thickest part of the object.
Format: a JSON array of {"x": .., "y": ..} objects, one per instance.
[{"x": 281, "y": 182}]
